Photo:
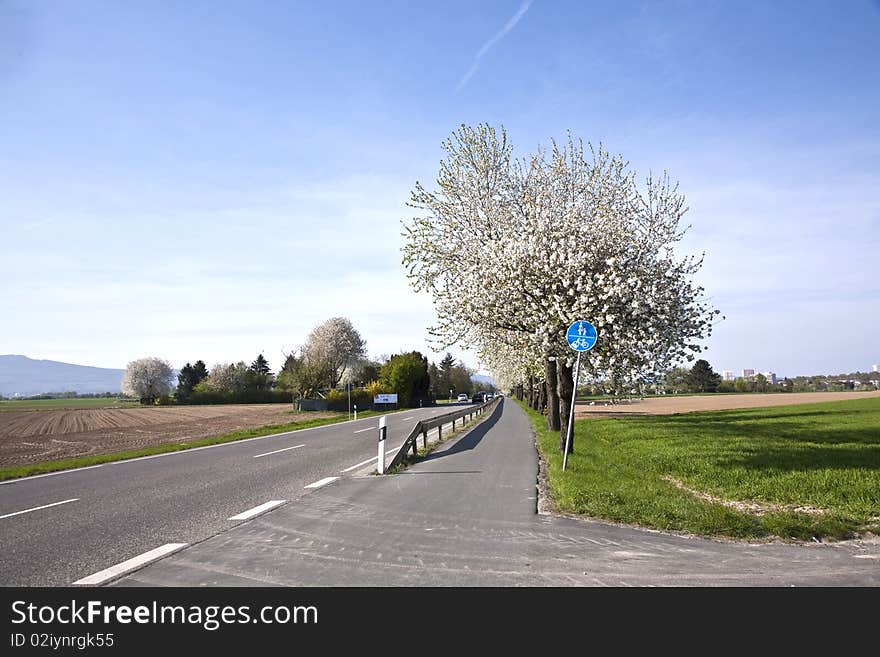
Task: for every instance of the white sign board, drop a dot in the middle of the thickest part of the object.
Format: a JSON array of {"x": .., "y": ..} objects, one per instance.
[{"x": 385, "y": 399}]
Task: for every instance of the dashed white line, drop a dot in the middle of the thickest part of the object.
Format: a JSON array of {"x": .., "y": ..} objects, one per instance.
[
  {"x": 257, "y": 510},
  {"x": 279, "y": 450},
  {"x": 407, "y": 418},
  {"x": 37, "y": 508},
  {"x": 367, "y": 429},
  {"x": 130, "y": 565},
  {"x": 322, "y": 482}
]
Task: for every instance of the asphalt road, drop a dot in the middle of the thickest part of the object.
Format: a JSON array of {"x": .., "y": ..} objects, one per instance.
[
  {"x": 123, "y": 509},
  {"x": 466, "y": 516}
]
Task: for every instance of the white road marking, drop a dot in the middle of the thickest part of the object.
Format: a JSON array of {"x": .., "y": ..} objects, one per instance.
[
  {"x": 362, "y": 463},
  {"x": 130, "y": 565},
  {"x": 357, "y": 465},
  {"x": 257, "y": 510},
  {"x": 51, "y": 474},
  {"x": 37, "y": 508},
  {"x": 407, "y": 418},
  {"x": 367, "y": 429},
  {"x": 279, "y": 450},
  {"x": 323, "y": 482}
]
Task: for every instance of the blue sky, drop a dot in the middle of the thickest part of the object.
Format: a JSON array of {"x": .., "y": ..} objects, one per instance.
[{"x": 203, "y": 180}]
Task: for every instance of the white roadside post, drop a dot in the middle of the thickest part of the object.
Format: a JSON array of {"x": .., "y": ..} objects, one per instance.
[
  {"x": 581, "y": 337},
  {"x": 383, "y": 431},
  {"x": 355, "y": 412}
]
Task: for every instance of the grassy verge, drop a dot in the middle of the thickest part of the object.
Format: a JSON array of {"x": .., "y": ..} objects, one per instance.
[
  {"x": 83, "y": 461},
  {"x": 795, "y": 472}
]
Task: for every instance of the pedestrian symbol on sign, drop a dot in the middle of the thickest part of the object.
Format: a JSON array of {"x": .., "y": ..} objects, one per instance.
[{"x": 581, "y": 336}]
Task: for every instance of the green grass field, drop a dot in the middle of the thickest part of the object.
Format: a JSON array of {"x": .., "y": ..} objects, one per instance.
[
  {"x": 66, "y": 404},
  {"x": 810, "y": 470}
]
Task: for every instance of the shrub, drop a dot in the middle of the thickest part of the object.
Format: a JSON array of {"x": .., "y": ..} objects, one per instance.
[
  {"x": 337, "y": 400},
  {"x": 207, "y": 396}
]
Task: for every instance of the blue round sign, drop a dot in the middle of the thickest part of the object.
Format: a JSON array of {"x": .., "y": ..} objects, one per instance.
[{"x": 581, "y": 336}]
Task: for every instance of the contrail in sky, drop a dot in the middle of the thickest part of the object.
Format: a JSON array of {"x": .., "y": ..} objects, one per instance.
[{"x": 508, "y": 26}]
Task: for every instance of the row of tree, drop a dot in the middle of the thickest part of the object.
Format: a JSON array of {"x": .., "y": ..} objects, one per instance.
[
  {"x": 329, "y": 354},
  {"x": 836, "y": 382},
  {"x": 409, "y": 375},
  {"x": 451, "y": 378},
  {"x": 513, "y": 251},
  {"x": 333, "y": 355},
  {"x": 702, "y": 378}
]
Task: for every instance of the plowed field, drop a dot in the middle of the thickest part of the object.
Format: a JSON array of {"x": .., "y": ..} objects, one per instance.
[{"x": 35, "y": 436}]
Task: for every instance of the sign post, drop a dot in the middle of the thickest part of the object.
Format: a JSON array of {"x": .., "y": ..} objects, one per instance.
[{"x": 581, "y": 337}]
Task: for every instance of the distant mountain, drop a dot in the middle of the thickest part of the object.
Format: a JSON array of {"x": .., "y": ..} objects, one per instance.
[
  {"x": 20, "y": 375},
  {"x": 482, "y": 378}
]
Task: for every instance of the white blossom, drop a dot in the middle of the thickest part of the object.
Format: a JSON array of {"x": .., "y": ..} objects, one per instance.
[
  {"x": 502, "y": 244},
  {"x": 147, "y": 379}
]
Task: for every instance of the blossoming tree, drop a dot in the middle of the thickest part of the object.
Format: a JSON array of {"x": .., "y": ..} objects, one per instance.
[{"x": 514, "y": 250}]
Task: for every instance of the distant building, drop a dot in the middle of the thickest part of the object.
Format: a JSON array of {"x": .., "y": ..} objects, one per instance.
[
  {"x": 770, "y": 376},
  {"x": 747, "y": 374},
  {"x": 728, "y": 375},
  {"x": 875, "y": 368}
]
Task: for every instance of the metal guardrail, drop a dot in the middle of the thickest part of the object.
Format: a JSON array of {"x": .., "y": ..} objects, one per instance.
[{"x": 424, "y": 426}]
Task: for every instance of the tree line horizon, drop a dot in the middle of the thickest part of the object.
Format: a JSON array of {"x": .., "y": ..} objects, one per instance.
[{"x": 333, "y": 356}]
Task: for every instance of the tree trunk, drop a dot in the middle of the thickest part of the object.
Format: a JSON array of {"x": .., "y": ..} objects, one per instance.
[
  {"x": 531, "y": 392},
  {"x": 519, "y": 391},
  {"x": 542, "y": 396},
  {"x": 552, "y": 398},
  {"x": 565, "y": 380}
]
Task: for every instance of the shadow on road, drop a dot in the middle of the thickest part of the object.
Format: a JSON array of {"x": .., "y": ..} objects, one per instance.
[
  {"x": 436, "y": 472},
  {"x": 472, "y": 439}
]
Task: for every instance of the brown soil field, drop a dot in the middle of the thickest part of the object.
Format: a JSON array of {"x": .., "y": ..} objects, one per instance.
[
  {"x": 670, "y": 404},
  {"x": 35, "y": 436}
]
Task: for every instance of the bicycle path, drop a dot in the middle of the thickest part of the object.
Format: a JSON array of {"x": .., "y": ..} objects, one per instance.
[{"x": 467, "y": 516}]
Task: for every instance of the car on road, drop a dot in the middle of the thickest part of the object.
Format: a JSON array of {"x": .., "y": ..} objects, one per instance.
[
  {"x": 479, "y": 398},
  {"x": 463, "y": 397}
]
